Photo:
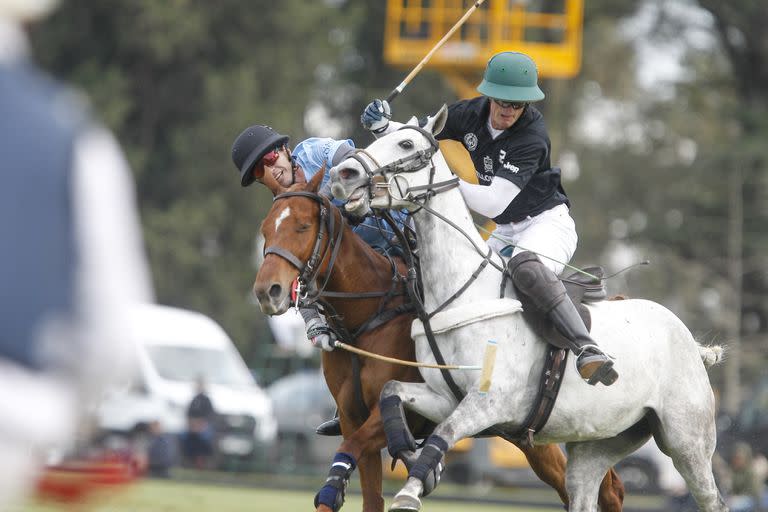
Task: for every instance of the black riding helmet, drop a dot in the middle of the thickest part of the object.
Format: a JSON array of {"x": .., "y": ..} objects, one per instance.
[{"x": 251, "y": 145}]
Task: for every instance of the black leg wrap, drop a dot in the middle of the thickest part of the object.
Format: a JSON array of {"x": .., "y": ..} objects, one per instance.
[
  {"x": 399, "y": 437},
  {"x": 536, "y": 281},
  {"x": 333, "y": 492},
  {"x": 429, "y": 467}
]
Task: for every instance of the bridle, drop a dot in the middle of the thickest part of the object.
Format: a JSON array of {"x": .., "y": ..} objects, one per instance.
[
  {"x": 378, "y": 182},
  {"x": 309, "y": 271}
]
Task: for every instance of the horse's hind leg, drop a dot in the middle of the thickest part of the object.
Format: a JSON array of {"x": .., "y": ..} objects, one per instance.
[
  {"x": 588, "y": 462},
  {"x": 370, "y": 480},
  {"x": 688, "y": 437},
  {"x": 611, "y": 494},
  {"x": 549, "y": 462}
]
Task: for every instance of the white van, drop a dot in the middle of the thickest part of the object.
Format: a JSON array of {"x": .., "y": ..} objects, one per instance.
[{"x": 176, "y": 348}]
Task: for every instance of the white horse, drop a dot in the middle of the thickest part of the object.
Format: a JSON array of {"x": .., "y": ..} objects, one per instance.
[{"x": 663, "y": 390}]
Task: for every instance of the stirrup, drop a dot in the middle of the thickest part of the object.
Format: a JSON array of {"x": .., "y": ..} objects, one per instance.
[
  {"x": 604, "y": 374},
  {"x": 592, "y": 346}
]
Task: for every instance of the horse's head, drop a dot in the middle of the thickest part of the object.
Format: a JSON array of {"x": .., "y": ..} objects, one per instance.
[
  {"x": 290, "y": 233},
  {"x": 384, "y": 175}
]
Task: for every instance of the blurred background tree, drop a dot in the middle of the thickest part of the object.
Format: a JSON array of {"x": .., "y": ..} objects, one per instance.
[{"x": 661, "y": 138}]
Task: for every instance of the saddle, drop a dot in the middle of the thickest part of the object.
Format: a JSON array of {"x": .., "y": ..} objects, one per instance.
[{"x": 583, "y": 289}]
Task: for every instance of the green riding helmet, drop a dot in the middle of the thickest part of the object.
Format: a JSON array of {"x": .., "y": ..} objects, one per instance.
[{"x": 511, "y": 76}]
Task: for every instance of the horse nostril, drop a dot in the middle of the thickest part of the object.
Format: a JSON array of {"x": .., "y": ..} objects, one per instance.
[
  {"x": 275, "y": 291},
  {"x": 347, "y": 173}
]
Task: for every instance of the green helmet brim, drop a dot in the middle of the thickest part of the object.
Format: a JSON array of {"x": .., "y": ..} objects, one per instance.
[{"x": 510, "y": 93}]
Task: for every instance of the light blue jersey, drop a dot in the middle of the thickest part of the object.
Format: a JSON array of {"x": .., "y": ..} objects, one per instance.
[
  {"x": 311, "y": 155},
  {"x": 314, "y": 153}
]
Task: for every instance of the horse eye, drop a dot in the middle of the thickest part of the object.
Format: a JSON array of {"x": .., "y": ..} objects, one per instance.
[
  {"x": 406, "y": 144},
  {"x": 303, "y": 227}
]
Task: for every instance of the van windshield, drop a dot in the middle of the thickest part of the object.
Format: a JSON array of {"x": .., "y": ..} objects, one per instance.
[{"x": 189, "y": 363}]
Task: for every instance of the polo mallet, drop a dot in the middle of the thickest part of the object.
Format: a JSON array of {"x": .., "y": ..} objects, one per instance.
[{"x": 397, "y": 90}]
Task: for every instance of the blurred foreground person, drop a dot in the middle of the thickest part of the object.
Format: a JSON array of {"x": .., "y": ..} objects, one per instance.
[{"x": 71, "y": 264}]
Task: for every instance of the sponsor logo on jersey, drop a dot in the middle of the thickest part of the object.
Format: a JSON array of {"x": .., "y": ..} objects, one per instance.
[
  {"x": 508, "y": 166},
  {"x": 488, "y": 165},
  {"x": 470, "y": 141}
]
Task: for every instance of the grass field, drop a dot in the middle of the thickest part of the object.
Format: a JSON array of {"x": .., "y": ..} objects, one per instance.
[{"x": 166, "y": 496}]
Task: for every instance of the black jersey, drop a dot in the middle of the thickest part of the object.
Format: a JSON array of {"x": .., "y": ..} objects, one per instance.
[{"x": 521, "y": 154}]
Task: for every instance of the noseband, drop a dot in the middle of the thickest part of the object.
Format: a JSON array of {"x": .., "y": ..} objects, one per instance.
[{"x": 308, "y": 271}]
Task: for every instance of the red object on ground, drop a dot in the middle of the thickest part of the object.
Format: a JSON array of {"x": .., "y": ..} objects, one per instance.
[{"x": 75, "y": 481}]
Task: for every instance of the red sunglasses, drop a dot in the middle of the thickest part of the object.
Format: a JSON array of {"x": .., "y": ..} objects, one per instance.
[{"x": 268, "y": 159}]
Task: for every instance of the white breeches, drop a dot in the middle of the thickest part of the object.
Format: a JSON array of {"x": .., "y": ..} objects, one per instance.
[{"x": 551, "y": 235}]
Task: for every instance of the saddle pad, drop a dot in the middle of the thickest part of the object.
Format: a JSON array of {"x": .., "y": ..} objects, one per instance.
[{"x": 468, "y": 314}]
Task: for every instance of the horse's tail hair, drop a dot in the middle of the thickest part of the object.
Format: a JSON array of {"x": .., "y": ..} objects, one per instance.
[{"x": 711, "y": 354}]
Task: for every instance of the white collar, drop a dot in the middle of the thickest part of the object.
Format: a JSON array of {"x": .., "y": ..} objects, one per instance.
[{"x": 493, "y": 131}]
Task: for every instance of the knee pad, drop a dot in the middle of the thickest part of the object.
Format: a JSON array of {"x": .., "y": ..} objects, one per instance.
[
  {"x": 536, "y": 281},
  {"x": 429, "y": 467}
]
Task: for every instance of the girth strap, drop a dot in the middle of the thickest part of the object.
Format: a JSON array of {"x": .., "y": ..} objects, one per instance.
[{"x": 549, "y": 387}]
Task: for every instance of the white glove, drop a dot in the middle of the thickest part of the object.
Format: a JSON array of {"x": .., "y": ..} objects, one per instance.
[
  {"x": 376, "y": 116},
  {"x": 320, "y": 335}
]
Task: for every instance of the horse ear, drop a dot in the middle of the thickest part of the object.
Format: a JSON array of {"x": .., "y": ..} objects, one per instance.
[
  {"x": 272, "y": 184},
  {"x": 440, "y": 119},
  {"x": 317, "y": 180}
]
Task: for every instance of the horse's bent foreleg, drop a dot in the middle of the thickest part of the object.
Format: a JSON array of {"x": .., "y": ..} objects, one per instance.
[
  {"x": 417, "y": 397},
  {"x": 472, "y": 415},
  {"x": 420, "y": 398}
]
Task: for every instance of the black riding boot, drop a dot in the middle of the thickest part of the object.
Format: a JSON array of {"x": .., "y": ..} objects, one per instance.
[
  {"x": 331, "y": 427},
  {"x": 547, "y": 292}
]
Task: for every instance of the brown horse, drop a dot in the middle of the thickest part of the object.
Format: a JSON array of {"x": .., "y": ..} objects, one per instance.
[{"x": 291, "y": 229}]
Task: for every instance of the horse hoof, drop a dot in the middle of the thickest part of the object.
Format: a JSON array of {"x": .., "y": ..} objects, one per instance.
[{"x": 405, "y": 503}]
